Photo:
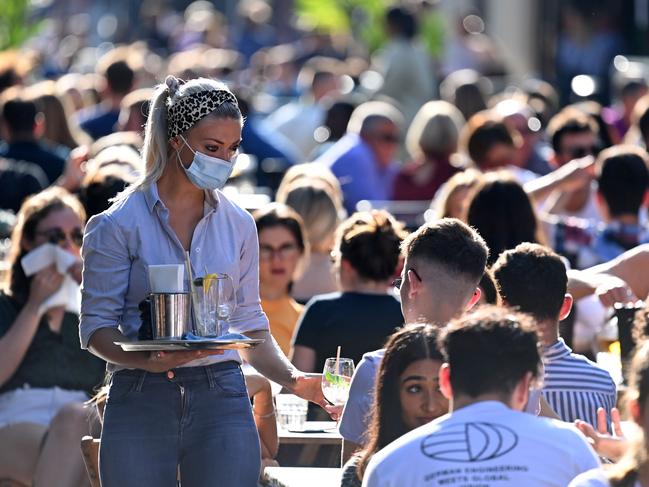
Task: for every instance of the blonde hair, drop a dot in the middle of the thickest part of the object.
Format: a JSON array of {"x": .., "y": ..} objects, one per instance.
[
  {"x": 465, "y": 180},
  {"x": 434, "y": 130},
  {"x": 155, "y": 151},
  {"x": 320, "y": 211}
]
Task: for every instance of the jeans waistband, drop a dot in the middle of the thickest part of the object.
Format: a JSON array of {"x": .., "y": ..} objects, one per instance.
[{"x": 181, "y": 373}]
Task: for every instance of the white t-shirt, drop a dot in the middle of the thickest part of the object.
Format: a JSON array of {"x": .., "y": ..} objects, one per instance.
[
  {"x": 486, "y": 444},
  {"x": 594, "y": 478}
]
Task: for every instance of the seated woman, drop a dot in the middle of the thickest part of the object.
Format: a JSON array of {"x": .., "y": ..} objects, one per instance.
[
  {"x": 407, "y": 394},
  {"x": 44, "y": 375},
  {"x": 314, "y": 193},
  {"x": 281, "y": 247},
  {"x": 364, "y": 314},
  {"x": 431, "y": 141}
]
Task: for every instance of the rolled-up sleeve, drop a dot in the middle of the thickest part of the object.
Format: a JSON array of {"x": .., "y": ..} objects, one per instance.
[
  {"x": 249, "y": 316},
  {"x": 106, "y": 269}
]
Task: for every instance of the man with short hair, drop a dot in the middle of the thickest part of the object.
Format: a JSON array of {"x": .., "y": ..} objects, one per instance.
[
  {"x": 101, "y": 120},
  {"x": 444, "y": 262},
  {"x": 22, "y": 125},
  {"x": 533, "y": 279},
  {"x": 622, "y": 174},
  {"x": 573, "y": 135},
  {"x": 492, "y": 359},
  {"x": 363, "y": 160}
]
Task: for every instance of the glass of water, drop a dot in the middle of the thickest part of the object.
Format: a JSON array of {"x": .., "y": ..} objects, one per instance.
[
  {"x": 291, "y": 411},
  {"x": 336, "y": 379},
  {"x": 214, "y": 302}
]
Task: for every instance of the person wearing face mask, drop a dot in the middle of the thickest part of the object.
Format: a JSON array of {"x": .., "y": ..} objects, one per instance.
[
  {"x": 45, "y": 377},
  {"x": 180, "y": 411}
]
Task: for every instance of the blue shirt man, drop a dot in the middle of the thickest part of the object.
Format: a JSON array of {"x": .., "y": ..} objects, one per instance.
[{"x": 363, "y": 160}]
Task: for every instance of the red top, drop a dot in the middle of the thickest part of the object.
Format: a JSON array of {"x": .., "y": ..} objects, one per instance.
[{"x": 408, "y": 186}]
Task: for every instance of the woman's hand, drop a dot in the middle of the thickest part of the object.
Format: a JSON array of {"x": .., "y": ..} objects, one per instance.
[
  {"x": 164, "y": 361},
  {"x": 44, "y": 283},
  {"x": 309, "y": 387}
]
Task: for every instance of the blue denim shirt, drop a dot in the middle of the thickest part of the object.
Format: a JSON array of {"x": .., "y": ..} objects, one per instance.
[{"x": 120, "y": 243}]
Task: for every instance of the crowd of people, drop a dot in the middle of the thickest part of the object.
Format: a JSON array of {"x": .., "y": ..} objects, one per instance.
[{"x": 470, "y": 252}]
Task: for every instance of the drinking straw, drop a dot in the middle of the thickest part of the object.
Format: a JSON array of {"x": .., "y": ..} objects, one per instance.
[
  {"x": 192, "y": 291},
  {"x": 337, "y": 367}
]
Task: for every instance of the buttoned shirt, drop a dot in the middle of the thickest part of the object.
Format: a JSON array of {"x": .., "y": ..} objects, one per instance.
[
  {"x": 120, "y": 244},
  {"x": 574, "y": 386}
]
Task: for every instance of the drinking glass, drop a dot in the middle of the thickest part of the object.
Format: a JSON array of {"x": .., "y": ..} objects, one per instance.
[
  {"x": 214, "y": 302},
  {"x": 291, "y": 411},
  {"x": 336, "y": 379}
]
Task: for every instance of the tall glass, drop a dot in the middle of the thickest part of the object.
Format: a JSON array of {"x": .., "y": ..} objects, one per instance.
[
  {"x": 336, "y": 379},
  {"x": 214, "y": 302}
]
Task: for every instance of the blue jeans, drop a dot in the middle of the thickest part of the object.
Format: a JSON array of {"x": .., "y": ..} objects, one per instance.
[{"x": 198, "y": 418}]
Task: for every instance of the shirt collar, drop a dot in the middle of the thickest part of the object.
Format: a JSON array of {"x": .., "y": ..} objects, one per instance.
[
  {"x": 556, "y": 351},
  {"x": 152, "y": 197}
]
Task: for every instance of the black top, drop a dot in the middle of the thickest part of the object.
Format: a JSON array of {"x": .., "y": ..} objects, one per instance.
[
  {"x": 357, "y": 322},
  {"x": 49, "y": 160},
  {"x": 52, "y": 359},
  {"x": 18, "y": 180}
]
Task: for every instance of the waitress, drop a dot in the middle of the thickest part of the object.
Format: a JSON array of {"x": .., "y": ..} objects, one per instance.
[{"x": 190, "y": 409}]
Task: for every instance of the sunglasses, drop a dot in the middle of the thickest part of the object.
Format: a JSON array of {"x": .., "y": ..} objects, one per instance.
[
  {"x": 579, "y": 152},
  {"x": 57, "y": 236},
  {"x": 397, "y": 283},
  {"x": 388, "y": 138}
]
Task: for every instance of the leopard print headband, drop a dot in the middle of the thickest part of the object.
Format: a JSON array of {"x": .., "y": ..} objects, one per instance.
[{"x": 184, "y": 114}]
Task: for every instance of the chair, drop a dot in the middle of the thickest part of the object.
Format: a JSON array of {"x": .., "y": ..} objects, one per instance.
[{"x": 90, "y": 451}]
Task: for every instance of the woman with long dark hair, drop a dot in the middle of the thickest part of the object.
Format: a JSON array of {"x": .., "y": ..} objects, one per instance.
[
  {"x": 502, "y": 212},
  {"x": 407, "y": 394}
]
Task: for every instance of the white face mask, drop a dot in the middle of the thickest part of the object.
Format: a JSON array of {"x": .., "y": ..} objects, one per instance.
[{"x": 207, "y": 172}]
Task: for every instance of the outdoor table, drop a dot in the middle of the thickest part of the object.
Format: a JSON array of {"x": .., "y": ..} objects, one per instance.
[
  {"x": 316, "y": 434},
  {"x": 301, "y": 476}
]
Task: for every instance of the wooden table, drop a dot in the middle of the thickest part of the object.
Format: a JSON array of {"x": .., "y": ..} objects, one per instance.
[
  {"x": 301, "y": 476},
  {"x": 316, "y": 434}
]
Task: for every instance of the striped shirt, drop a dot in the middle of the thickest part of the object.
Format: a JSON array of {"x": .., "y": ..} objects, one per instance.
[{"x": 575, "y": 386}]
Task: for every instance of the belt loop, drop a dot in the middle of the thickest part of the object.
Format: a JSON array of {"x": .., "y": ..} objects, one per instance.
[
  {"x": 210, "y": 376},
  {"x": 140, "y": 381}
]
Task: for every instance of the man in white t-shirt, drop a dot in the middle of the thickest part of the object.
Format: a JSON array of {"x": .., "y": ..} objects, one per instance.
[
  {"x": 486, "y": 440},
  {"x": 443, "y": 265}
]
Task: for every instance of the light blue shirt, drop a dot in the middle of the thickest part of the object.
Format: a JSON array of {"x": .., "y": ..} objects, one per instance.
[
  {"x": 354, "y": 164},
  {"x": 120, "y": 243}
]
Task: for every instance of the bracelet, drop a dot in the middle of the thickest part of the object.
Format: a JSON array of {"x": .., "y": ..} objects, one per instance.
[{"x": 264, "y": 416}]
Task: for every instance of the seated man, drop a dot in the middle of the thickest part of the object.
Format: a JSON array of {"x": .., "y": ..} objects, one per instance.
[
  {"x": 533, "y": 279},
  {"x": 622, "y": 174},
  {"x": 492, "y": 360},
  {"x": 363, "y": 160},
  {"x": 444, "y": 263}
]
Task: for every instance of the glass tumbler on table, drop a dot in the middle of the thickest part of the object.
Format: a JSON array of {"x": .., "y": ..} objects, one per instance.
[
  {"x": 291, "y": 411},
  {"x": 214, "y": 302},
  {"x": 336, "y": 380}
]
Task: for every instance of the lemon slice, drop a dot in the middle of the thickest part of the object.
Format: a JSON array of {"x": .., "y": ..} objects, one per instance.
[{"x": 207, "y": 281}]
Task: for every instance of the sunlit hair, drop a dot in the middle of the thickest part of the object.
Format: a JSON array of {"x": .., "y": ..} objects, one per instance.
[
  {"x": 435, "y": 130},
  {"x": 34, "y": 210},
  {"x": 408, "y": 345},
  {"x": 156, "y": 150},
  {"x": 465, "y": 180},
  {"x": 370, "y": 242}
]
